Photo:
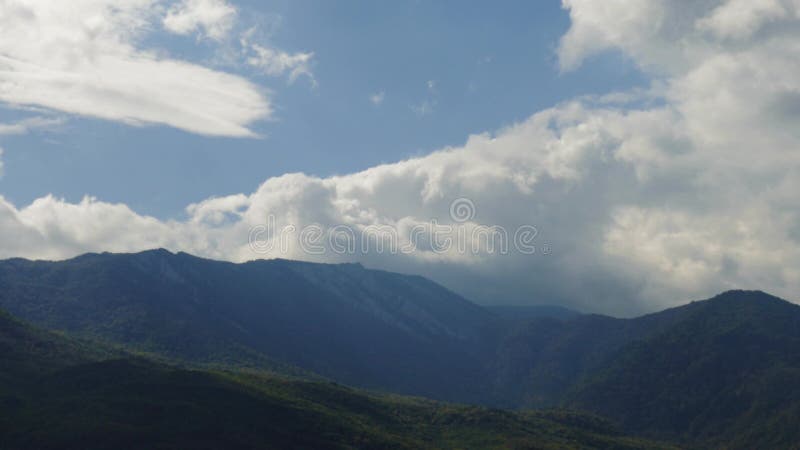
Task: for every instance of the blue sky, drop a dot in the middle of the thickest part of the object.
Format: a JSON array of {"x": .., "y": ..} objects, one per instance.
[
  {"x": 488, "y": 66},
  {"x": 652, "y": 145}
]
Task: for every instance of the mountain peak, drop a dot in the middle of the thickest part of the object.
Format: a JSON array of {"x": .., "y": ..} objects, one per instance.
[
  {"x": 157, "y": 252},
  {"x": 740, "y": 295}
]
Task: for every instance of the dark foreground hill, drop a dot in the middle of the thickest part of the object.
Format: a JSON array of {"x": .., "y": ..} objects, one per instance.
[{"x": 56, "y": 393}]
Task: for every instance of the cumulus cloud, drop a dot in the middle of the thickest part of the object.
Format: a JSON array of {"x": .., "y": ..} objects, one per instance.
[
  {"x": 84, "y": 57},
  {"x": 212, "y": 18},
  {"x": 643, "y": 199},
  {"x": 741, "y": 18}
]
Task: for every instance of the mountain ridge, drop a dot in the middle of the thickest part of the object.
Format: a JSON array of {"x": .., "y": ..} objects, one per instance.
[
  {"x": 363, "y": 327},
  {"x": 406, "y": 334}
]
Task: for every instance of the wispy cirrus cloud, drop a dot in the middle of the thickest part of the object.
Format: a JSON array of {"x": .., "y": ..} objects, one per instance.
[
  {"x": 86, "y": 58},
  {"x": 29, "y": 124},
  {"x": 274, "y": 62}
]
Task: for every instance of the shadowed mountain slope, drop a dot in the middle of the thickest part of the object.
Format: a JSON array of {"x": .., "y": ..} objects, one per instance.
[
  {"x": 719, "y": 372},
  {"x": 361, "y": 327},
  {"x": 728, "y": 372},
  {"x": 58, "y": 394}
]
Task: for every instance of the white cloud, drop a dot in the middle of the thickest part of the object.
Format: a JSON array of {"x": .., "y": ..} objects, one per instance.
[
  {"x": 83, "y": 57},
  {"x": 27, "y": 125},
  {"x": 212, "y": 18},
  {"x": 377, "y": 98},
  {"x": 275, "y": 62},
  {"x": 741, "y": 18},
  {"x": 86, "y": 225},
  {"x": 690, "y": 190},
  {"x": 598, "y": 26}
]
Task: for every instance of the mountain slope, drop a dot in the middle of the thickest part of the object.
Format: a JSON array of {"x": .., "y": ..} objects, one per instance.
[
  {"x": 528, "y": 312},
  {"x": 720, "y": 372},
  {"x": 27, "y": 352},
  {"x": 361, "y": 327},
  {"x": 538, "y": 361},
  {"x": 71, "y": 398},
  {"x": 730, "y": 366}
]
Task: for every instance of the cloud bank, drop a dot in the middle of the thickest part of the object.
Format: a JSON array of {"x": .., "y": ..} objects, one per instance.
[{"x": 646, "y": 198}]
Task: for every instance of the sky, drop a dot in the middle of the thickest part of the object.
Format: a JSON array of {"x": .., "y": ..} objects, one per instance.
[
  {"x": 384, "y": 84},
  {"x": 637, "y": 154}
]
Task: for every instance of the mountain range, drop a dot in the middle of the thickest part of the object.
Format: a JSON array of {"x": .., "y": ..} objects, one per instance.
[
  {"x": 723, "y": 372},
  {"x": 360, "y": 327}
]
